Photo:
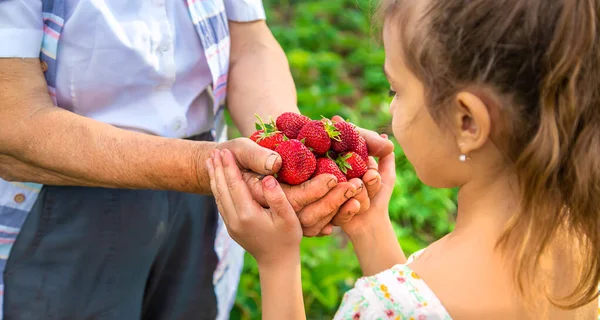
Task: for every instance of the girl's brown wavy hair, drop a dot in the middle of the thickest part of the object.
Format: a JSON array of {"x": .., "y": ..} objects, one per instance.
[{"x": 542, "y": 58}]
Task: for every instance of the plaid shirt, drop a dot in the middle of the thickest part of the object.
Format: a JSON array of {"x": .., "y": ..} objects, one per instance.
[{"x": 210, "y": 18}]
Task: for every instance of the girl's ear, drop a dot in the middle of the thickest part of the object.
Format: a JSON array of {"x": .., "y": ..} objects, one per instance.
[{"x": 471, "y": 121}]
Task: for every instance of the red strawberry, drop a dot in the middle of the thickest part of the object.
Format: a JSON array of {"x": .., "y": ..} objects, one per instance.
[
  {"x": 326, "y": 165},
  {"x": 256, "y": 135},
  {"x": 267, "y": 135},
  {"x": 271, "y": 142},
  {"x": 352, "y": 165},
  {"x": 317, "y": 135},
  {"x": 361, "y": 149},
  {"x": 348, "y": 137},
  {"x": 298, "y": 162},
  {"x": 290, "y": 123}
]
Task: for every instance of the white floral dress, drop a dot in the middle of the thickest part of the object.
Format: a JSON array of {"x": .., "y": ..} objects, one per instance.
[{"x": 397, "y": 293}]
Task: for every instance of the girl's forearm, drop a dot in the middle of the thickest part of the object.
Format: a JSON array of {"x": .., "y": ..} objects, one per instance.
[
  {"x": 377, "y": 248},
  {"x": 281, "y": 288}
]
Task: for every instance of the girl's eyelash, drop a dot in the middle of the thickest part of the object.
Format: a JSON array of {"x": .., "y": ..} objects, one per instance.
[{"x": 392, "y": 93}]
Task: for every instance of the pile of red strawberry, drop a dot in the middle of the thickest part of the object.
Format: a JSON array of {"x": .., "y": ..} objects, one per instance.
[{"x": 312, "y": 147}]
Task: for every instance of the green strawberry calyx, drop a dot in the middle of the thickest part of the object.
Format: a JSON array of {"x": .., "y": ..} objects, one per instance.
[
  {"x": 331, "y": 130},
  {"x": 342, "y": 162},
  {"x": 269, "y": 129}
]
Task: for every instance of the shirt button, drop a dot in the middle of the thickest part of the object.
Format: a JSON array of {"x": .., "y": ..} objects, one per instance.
[
  {"x": 177, "y": 125},
  {"x": 19, "y": 198}
]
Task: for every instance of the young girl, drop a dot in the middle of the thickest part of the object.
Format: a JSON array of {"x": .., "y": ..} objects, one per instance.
[{"x": 502, "y": 99}]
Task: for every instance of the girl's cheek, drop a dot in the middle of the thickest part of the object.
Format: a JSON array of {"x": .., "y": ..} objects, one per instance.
[
  {"x": 397, "y": 125},
  {"x": 392, "y": 107}
]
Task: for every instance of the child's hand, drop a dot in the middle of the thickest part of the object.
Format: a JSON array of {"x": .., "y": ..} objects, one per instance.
[
  {"x": 272, "y": 234},
  {"x": 378, "y": 212}
]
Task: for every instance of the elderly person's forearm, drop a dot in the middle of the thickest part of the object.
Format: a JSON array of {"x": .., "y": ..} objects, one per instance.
[
  {"x": 45, "y": 144},
  {"x": 260, "y": 81}
]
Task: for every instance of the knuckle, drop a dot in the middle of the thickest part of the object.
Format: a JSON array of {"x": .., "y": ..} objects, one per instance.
[
  {"x": 236, "y": 146},
  {"x": 6, "y": 172},
  {"x": 252, "y": 181},
  {"x": 295, "y": 201},
  {"x": 332, "y": 208},
  {"x": 278, "y": 200},
  {"x": 233, "y": 228},
  {"x": 7, "y": 176},
  {"x": 219, "y": 196},
  {"x": 311, "y": 232},
  {"x": 232, "y": 184},
  {"x": 306, "y": 219},
  {"x": 242, "y": 142},
  {"x": 243, "y": 219}
]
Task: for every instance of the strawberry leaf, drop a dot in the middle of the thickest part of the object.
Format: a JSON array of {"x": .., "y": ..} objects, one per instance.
[
  {"x": 344, "y": 166},
  {"x": 332, "y": 131},
  {"x": 342, "y": 162},
  {"x": 269, "y": 129}
]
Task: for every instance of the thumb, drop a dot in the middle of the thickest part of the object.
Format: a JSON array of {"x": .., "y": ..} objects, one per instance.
[
  {"x": 387, "y": 170},
  {"x": 276, "y": 199},
  {"x": 253, "y": 157},
  {"x": 378, "y": 146}
]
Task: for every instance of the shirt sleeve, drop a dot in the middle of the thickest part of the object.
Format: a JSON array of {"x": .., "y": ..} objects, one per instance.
[
  {"x": 244, "y": 10},
  {"x": 21, "y": 28}
]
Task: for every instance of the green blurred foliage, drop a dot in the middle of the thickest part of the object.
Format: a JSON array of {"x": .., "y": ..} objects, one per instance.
[{"x": 336, "y": 60}]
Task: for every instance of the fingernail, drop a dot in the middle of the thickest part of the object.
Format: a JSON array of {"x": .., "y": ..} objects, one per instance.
[
  {"x": 351, "y": 213},
  {"x": 372, "y": 182},
  {"x": 271, "y": 161},
  {"x": 349, "y": 194},
  {"x": 332, "y": 183},
  {"x": 359, "y": 189},
  {"x": 383, "y": 135},
  {"x": 270, "y": 182}
]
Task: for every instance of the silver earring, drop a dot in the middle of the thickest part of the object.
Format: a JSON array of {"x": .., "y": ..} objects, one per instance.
[{"x": 462, "y": 158}]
